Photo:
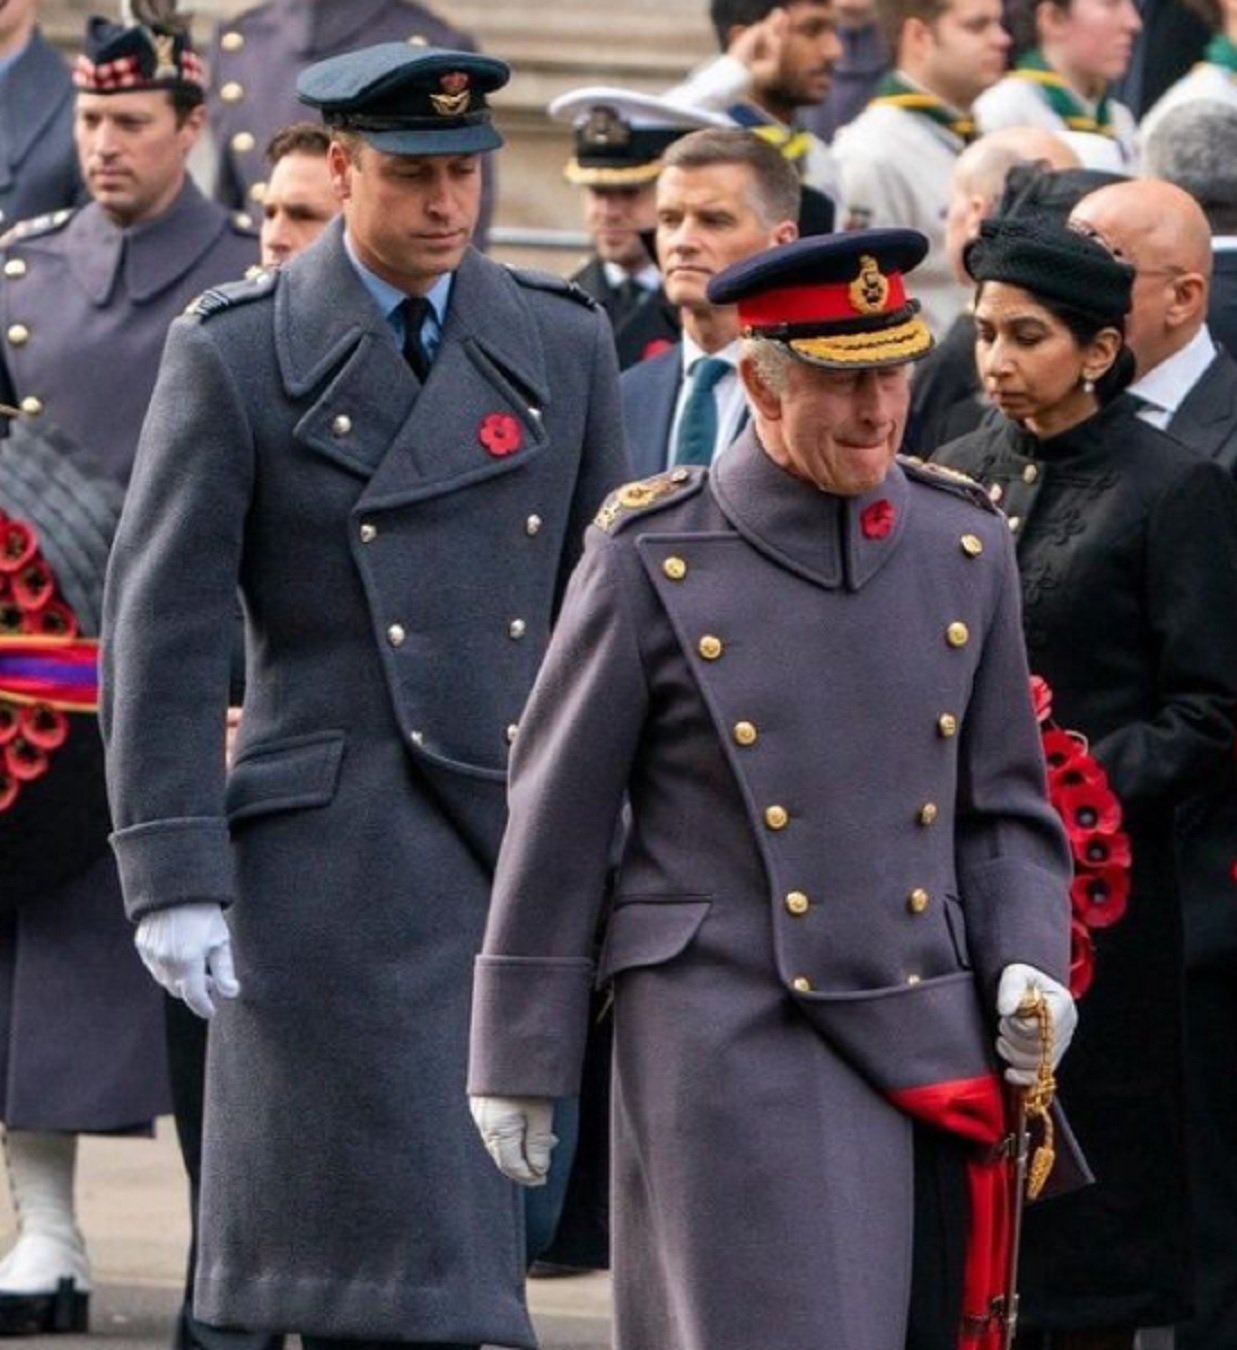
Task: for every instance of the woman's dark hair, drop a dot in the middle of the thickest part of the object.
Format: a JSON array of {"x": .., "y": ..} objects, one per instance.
[{"x": 1085, "y": 328}]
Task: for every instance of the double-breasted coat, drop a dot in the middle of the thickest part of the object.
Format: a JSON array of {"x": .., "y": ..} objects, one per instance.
[
  {"x": 85, "y": 306},
  {"x": 839, "y": 837},
  {"x": 401, "y": 552},
  {"x": 1127, "y": 548}
]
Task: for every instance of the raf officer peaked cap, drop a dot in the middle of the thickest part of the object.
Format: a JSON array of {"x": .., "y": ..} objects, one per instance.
[
  {"x": 835, "y": 300},
  {"x": 408, "y": 100}
]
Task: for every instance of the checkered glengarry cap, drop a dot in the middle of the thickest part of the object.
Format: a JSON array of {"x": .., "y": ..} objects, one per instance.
[{"x": 121, "y": 60}]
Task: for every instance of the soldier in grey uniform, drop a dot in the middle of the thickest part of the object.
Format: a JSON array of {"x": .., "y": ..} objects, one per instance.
[
  {"x": 38, "y": 167},
  {"x": 255, "y": 60},
  {"x": 804, "y": 669},
  {"x": 86, "y": 298},
  {"x": 392, "y": 446}
]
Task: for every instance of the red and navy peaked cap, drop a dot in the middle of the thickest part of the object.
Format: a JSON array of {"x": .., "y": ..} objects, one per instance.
[
  {"x": 837, "y": 300},
  {"x": 408, "y": 100},
  {"x": 121, "y": 59}
]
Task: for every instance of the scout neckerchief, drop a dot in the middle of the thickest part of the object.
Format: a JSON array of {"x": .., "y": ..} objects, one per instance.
[
  {"x": 895, "y": 92},
  {"x": 793, "y": 143},
  {"x": 1222, "y": 51},
  {"x": 1061, "y": 98}
]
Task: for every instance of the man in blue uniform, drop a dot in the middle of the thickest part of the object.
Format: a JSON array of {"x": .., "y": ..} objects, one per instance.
[{"x": 392, "y": 445}]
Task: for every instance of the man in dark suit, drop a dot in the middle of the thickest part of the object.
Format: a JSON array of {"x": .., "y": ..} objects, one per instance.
[
  {"x": 723, "y": 195},
  {"x": 392, "y": 446},
  {"x": 1189, "y": 389}
]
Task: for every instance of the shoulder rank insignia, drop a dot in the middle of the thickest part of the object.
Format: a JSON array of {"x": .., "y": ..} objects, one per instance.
[
  {"x": 37, "y": 225},
  {"x": 257, "y": 283},
  {"x": 634, "y": 498},
  {"x": 552, "y": 285},
  {"x": 948, "y": 480}
]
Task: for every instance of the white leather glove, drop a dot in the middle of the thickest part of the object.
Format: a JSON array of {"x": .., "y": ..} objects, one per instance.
[
  {"x": 1018, "y": 1040},
  {"x": 517, "y": 1133},
  {"x": 189, "y": 952}
]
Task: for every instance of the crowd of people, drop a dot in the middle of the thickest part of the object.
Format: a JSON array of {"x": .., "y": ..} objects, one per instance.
[{"x": 880, "y": 727}]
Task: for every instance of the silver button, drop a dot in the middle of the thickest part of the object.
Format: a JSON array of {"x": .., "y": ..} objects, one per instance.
[
  {"x": 368, "y": 533},
  {"x": 243, "y": 142},
  {"x": 396, "y": 635},
  {"x": 232, "y": 41},
  {"x": 14, "y": 268},
  {"x": 1030, "y": 473},
  {"x": 517, "y": 628},
  {"x": 342, "y": 425},
  {"x": 1014, "y": 523},
  {"x": 535, "y": 414},
  {"x": 533, "y": 525},
  {"x": 417, "y": 737},
  {"x": 513, "y": 730}
]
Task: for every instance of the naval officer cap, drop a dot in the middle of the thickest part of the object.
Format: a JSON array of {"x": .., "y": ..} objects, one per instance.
[
  {"x": 620, "y": 135},
  {"x": 408, "y": 100},
  {"x": 837, "y": 300}
]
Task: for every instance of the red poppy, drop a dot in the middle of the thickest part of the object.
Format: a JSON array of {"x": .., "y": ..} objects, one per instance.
[
  {"x": 1082, "y": 771},
  {"x": 10, "y": 617},
  {"x": 1081, "y": 960},
  {"x": 500, "y": 434},
  {"x": 1099, "y": 898},
  {"x": 45, "y": 728},
  {"x": 55, "y": 619},
  {"x": 10, "y": 722},
  {"x": 876, "y": 520},
  {"x": 1088, "y": 807},
  {"x": 34, "y": 585},
  {"x": 1041, "y": 698},
  {"x": 9, "y": 788},
  {"x": 1060, "y": 747},
  {"x": 655, "y": 347},
  {"x": 17, "y": 545},
  {"x": 1097, "y": 849},
  {"x": 24, "y": 761}
]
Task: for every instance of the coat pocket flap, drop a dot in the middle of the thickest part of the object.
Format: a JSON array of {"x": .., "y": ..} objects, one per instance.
[
  {"x": 285, "y": 775},
  {"x": 649, "y": 932}
]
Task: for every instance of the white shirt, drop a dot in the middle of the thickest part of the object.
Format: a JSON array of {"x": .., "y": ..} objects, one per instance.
[
  {"x": 648, "y": 278},
  {"x": 1165, "y": 386},
  {"x": 1014, "y": 102},
  {"x": 728, "y": 391},
  {"x": 1204, "y": 81}
]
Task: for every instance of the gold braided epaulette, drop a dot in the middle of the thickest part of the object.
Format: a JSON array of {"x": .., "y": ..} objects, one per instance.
[{"x": 634, "y": 499}]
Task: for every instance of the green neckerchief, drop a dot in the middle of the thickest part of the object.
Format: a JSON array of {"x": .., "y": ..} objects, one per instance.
[
  {"x": 1061, "y": 98},
  {"x": 1222, "y": 51},
  {"x": 894, "y": 92}
]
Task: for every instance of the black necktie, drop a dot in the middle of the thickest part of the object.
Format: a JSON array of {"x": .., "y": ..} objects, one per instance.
[{"x": 416, "y": 309}]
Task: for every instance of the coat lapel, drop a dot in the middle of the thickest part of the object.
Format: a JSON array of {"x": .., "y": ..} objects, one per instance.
[
  {"x": 1207, "y": 418},
  {"x": 31, "y": 96}
]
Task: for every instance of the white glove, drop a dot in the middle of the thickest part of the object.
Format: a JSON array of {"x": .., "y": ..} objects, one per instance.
[
  {"x": 1018, "y": 1040},
  {"x": 189, "y": 952},
  {"x": 518, "y": 1135}
]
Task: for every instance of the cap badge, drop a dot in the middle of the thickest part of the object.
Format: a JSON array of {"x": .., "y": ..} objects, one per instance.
[
  {"x": 500, "y": 434},
  {"x": 869, "y": 291},
  {"x": 165, "y": 56},
  {"x": 605, "y": 127},
  {"x": 453, "y": 101}
]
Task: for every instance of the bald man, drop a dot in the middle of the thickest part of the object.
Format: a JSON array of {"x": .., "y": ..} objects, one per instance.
[
  {"x": 1190, "y": 390},
  {"x": 948, "y": 400}
]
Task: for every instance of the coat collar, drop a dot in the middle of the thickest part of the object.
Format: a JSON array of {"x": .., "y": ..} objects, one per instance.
[
  {"x": 1206, "y": 418},
  {"x": 323, "y": 27},
  {"x": 31, "y": 96},
  {"x": 812, "y": 533},
  {"x": 143, "y": 259}
]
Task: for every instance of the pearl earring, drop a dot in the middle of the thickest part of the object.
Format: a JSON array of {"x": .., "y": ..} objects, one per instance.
[{"x": 1088, "y": 386}]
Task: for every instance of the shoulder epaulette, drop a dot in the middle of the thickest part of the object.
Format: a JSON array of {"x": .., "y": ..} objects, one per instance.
[
  {"x": 947, "y": 480},
  {"x": 257, "y": 283},
  {"x": 648, "y": 494},
  {"x": 547, "y": 281},
  {"x": 36, "y": 226}
]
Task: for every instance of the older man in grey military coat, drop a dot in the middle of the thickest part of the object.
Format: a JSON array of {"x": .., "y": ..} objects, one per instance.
[
  {"x": 806, "y": 670},
  {"x": 402, "y": 538}
]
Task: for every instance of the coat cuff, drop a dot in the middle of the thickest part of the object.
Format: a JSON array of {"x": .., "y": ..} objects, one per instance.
[
  {"x": 529, "y": 1026},
  {"x": 164, "y": 863},
  {"x": 1015, "y": 912}
]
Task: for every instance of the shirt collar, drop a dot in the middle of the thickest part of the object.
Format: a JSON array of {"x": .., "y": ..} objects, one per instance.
[
  {"x": 1167, "y": 384},
  {"x": 693, "y": 352},
  {"x": 389, "y": 298},
  {"x": 648, "y": 278}
]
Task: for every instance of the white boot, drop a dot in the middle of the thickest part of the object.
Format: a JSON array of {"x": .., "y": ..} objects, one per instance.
[{"x": 45, "y": 1278}]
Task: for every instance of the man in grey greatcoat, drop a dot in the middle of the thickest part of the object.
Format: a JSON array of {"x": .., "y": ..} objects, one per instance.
[
  {"x": 804, "y": 670},
  {"x": 392, "y": 446}
]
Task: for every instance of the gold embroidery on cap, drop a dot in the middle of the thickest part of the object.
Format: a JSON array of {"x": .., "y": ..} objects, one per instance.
[
  {"x": 870, "y": 289},
  {"x": 455, "y": 95}
]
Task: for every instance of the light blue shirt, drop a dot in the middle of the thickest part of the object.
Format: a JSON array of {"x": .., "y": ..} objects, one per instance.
[{"x": 389, "y": 300}]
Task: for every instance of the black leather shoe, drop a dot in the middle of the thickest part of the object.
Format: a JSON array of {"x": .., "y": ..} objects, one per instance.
[{"x": 64, "y": 1310}]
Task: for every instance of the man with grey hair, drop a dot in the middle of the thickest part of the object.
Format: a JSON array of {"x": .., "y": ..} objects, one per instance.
[{"x": 1195, "y": 147}]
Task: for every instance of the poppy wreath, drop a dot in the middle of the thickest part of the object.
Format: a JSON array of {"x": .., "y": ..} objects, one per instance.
[
  {"x": 34, "y": 622},
  {"x": 1100, "y": 850}
]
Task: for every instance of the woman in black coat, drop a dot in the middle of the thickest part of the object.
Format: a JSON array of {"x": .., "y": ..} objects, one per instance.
[{"x": 1127, "y": 547}]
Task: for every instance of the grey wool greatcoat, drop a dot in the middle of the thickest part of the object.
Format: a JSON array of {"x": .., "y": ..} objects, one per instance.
[
  {"x": 400, "y": 566},
  {"x": 38, "y": 161},
  {"x": 839, "y": 839}
]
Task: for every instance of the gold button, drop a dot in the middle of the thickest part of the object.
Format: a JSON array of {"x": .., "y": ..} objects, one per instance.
[
  {"x": 680, "y": 475},
  {"x": 31, "y": 406},
  {"x": 15, "y": 267},
  {"x": 917, "y": 901},
  {"x": 18, "y": 334},
  {"x": 368, "y": 533},
  {"x": 396, "y": 635},
  {"x": 1030, "y": 473},
  {"x": 232, "y": 92},
  {"x": 710, "y": 647},
  {"x": 995, "y": 492},
  {"x": 533, "y": 525},
  {"x": 257, "y": 193},
  {"x": 243, "y": 142},
  {"x": 777, "y": 817},
  {"x": 957, "y": 635},
  {"x": 801, "y": 984},
  {"x": 674, "y": 568},
  {"x": 927, "y": 813},
  {"x": 418, "y": 40},
  {"x": 797, "y": 903},
  {"x": 912, "y": 979},
  {"x": 972, "y": 545},
  {"x": 232, "y": 41},
  {"x": 513, "y": 729},
  {"x": 1014, "y": 522},
  {"x": 517, "y": 628},
  {"x": 745, "y": 733},
  {"x": 947, "y": 725},
  {"x": 342, "y": 425}
]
